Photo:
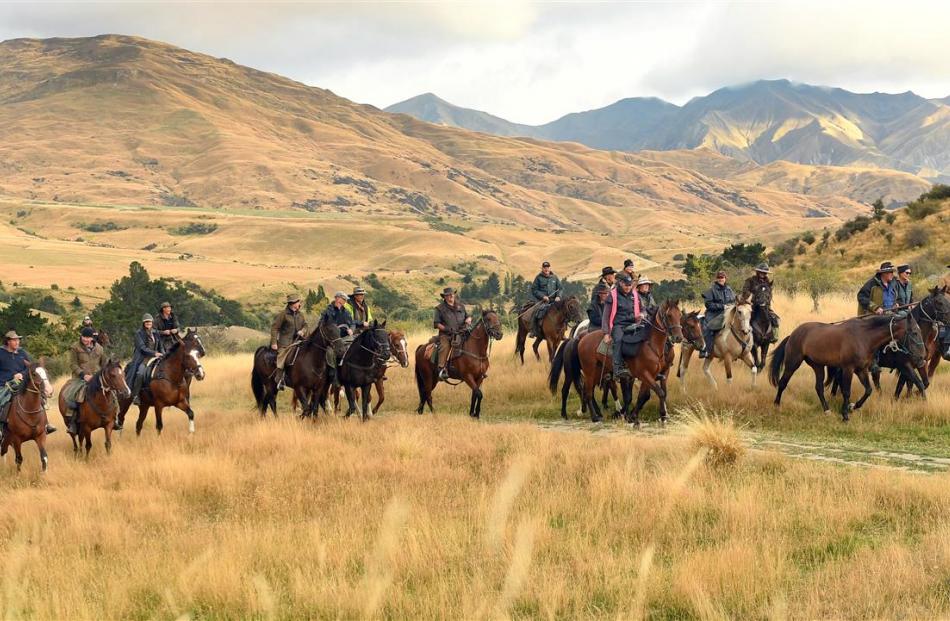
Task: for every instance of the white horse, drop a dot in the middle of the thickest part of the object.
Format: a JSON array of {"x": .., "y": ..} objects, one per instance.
[{"x": 732, "y": 342}]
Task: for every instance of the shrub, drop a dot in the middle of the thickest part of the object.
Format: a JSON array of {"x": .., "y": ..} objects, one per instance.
[
  {"x": 194, "y": 228},
  {"x": 920, "y": 209},
  {"x": 100, "y": 227},
  {"x": 938, "y": 192},
  {"x": 890, "y": 218},
  {"x": 718, "y": 436},
  {"x": 808, "y": 237},
  {"x": 917, "y": 237}
]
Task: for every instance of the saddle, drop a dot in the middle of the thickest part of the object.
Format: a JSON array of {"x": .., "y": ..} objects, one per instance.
[
  {"x": 432, "y": 348},
  {"x": 633, "y": 338}
]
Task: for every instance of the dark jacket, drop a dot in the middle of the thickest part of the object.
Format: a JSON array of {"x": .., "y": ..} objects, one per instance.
[
  {"x": 147, "y": 344},
  {"x": 340, "y": 317},
  {"x": 452, "y": 317},
  {"x": 86, "y": 360},
  {"x": 716, "y": 299},
  {"x": 646, "y": 301},
  {"x": 904, "y": 293},
  {"x": 625, "y": 314},
  {"x": 595, "y": 313},
  {"x": 545, "y": 286},
  {"x": 162, "y": 324},
  {"x": 871, "y": 296},
  {"x": 283, "y": 332},
  {"x": 758, "y": 289},
  {"x": 12, "y": 363}
]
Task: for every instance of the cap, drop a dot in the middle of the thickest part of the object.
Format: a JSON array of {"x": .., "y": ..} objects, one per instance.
[
  {"x": 625, "y": 279},
  {"x": 607, "y": 271},
  {"x": 88, "y": 332},
  {"x": 886, "y": 267},
  {"x": 11, "y": 335},
  {"x": 165, "y": 305},
  {"x": 447, "y": 291},
  {"x": 720, "y": 274},
  {"x": 903, "y": 268},
  {"x": 339, "y": 294},
  {"x": 293, "y": 298},
  {"x": 359, "y": 291},
  {"x": 147, "y": 317},
  {"x": 545, "y": 264},
  {"x": 628, "y": 262}
]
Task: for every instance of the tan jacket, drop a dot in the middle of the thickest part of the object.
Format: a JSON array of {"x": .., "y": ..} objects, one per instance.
[{"x": 86, "y": 361}]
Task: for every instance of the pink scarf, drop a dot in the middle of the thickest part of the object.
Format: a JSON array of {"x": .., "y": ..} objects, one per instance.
[{"x": 613, "y": 309}]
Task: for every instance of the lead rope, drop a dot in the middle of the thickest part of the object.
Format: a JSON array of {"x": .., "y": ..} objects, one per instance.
[{"x": 893, "y": 345}]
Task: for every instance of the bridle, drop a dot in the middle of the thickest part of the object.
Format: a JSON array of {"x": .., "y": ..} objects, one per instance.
[
  {"x": 490, "y": 334},
  {"x": 30, "y": 387},
  {"x": 109, "y": 391},
  {"x": 694, "y": 342},
  {"x": 393, "y": 358},
  {"x": 380, "y": 355},
  {"x": 732, "y": 327}
]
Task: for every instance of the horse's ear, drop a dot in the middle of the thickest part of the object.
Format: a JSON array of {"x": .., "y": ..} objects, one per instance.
[
  {"x": 383, "y": 325},
  {"x": 43, "y": 361}
]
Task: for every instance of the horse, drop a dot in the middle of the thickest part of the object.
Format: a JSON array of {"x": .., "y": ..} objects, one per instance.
[
  {"x": 103, "y": 339},
  {"x": 400, "y": 354},
  {"x": 556, "y": 320},
  {"x": 363, "y": 364},
  {"x": 929, "y": 313},
  {"x": 761, "y": 328},
  {"x": 664, "y": 322},
  {"x": 307, "y": 374},
  {"x": 168, "y": 385},
  {"x": 27, "y": 416},
  {"x": 100, "y": 407},
  {"x": 470, "y": 365},
  {"x": 732, "y": 342},
  {"x": 848, "y": 346}
]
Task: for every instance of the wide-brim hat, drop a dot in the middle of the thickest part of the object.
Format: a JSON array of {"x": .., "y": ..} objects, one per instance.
[
  {"x": 447, "y": 291},
  {"x": 147, "y": 317},
  {"x": 601, "y": 288},
  {"x": 886, "y": 267},
  {"x": 645, "y": 281},
  {"x": 293, "y": 298},
  {"x": 607, "y": 271},
  {"x": 339, "y": 294},
  {"x": 87, "y": 332},
  {"x": 11, "y": 335},
  {"x": 359, "y": 291},
  {"x": 764, "y": 268}
]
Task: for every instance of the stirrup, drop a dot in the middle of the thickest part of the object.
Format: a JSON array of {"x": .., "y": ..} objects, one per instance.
[{"x": 444, "y": 373}]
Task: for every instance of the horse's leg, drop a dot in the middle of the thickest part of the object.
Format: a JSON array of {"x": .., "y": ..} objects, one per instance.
[
  {"x": 44, "y": 459},
  {"x": 381, "y": 391},
  {"x": 552, "y": 347},
  {"x": 643, "y": 395},
  {"x": 159, "y": 423},
  {"x": 191, "y": 416},
  {"x": 481, "y": 395},
  {"x": 73, "y": 438},
  {"x": 727, "y": 361},
  {"x": 520, "y": 340},
  {"x": 469, "y": 379},
  {"x": 565, "y": 393},
  {"x": 18, "y": 452},
  {"x": 876, "y": 376},
  {"x": 909, "y": 375},
  {"x": 536, "y": 346},
  {"x": 750, "y": 361},
  {"x": 87, "y": 438},
  {"x": 793, "y": 360},
  {"x": 845, "y": 379},
  {"x": 866, "y": 382},
  {"x": 819, "y": 370},
  {"x": 364, "y": 393},
  {"x": 143, "y": 412},
  {"x": 764, "y": 350},
  {"x": 108, "y": 431},
  {"x": 707, "y": 362}
]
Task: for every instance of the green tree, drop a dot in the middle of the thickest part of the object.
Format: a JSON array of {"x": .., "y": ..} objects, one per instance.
[
  {"x": 878, "y": 209},
  {"x": 76, "y": 303},
  {"x": 20, "y": 317},
  {"x": 743, "y": 254}
]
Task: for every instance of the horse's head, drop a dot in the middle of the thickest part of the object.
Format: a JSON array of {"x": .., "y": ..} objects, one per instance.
[
  {"x": 492, "y": 324},
  {"x": 940, "y": 303},
  {"x": 103, "y": 339},
  {"x": 37, "y": 379},
  {"x": 399, "y": 347},
  {"x": 760, "y": 296},
  {"x": 330, "y": 335},
  {"x": 672, "y": 319},
  {"x": 741, "y": 319},
  {"x": 377, "y": 338},
  {"x": 572, "y": 310},
  {"x": 693, "y": 330},
  {"x": 114, "y": 379},
  {"x": 913, "y": 342},
  {"x": 194, "y": 351}
]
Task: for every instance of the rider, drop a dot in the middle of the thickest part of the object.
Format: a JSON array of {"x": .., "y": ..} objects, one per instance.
[
  {"x": 148, "y": 346},
  {"x": 645, "y": 291},
  {"x": 622, "y": 309},
  {"x": 716, "y": 299},
  {"x": 450, "y": 319},
  {"x": 87, "y": 323},
  {"x": 336, "y": 314},
  {"x": 359, "y": 309},
  {"x": 289, "y": 326},
  {"x": 595, "y": 312},
  {"x": 758, "y": 289},
  {"x": 167, "y": 325},
  {"x": 13, "y": 359},
  {"x": 878, "y": 293},
  {"x": 903, "y": 287},
  {"x": 545, "y": 289},
  {"x": 87, "y": 357}
]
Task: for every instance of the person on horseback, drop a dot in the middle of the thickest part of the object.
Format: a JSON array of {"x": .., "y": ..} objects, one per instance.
[
  {"x": 645, "y": 292},
  {"x": 595, "y": 312},
  {"x": 148, "y": 346},
  {"x": 450, "y": 320},
  {"x": 715, "y": 299},
  {"x": 943, "y": 336},
  {"x": 336, "y": 314},
  {"x": 758, "y": 289},
  {"x": 359, "y": 310},
  {"x": 546, "y": 288},
  {"x": 903, "y": 287},
  {"x": 621, "y": 310},
  {"x": 628, "y": 268},
  {"x": 13, "y": 361},
  {"x": 87, "y": 357},
  {"x": 878, "y": 294},
  {"x": 289, "y": 327},
  {"x": 166, "y": 324},
  {"x": 87, "y": 323}
]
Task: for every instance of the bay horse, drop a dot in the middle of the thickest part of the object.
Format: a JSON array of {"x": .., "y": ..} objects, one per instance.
[
  {"x": 363, "y": 364},
  {"x": 761, "y": 328},
  {"x": 663, "y": 323},
  {"x": 100, "y": 407},
  {"x": 307, "y": 375},
  {"x": 849, "y": 346},
  {"x": 732, "y": 342},
  {"x": 168, "y": 385},
  {"x": 556, "y": 320},
  {"x": 470, "y": 366},
  {"x": 26, "y": 418},
  {"x": 929, "y": 313}
]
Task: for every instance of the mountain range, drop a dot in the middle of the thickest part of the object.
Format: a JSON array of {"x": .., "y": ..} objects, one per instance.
[{"x": 761, "y": 122}]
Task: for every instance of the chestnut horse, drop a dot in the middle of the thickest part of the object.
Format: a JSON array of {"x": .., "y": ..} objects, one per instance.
[
  {"x": 400, "y": 355},
  {"x": 168, "y": 385},
  {"x": 470, "y": 365},
  {"x": 100, "y": 407},
  {"x": 664, "y": 323},
  {"x": 848, "y": 346},
  {"x": 556, "y": 320},
  {"x": 27, "y": 416}
]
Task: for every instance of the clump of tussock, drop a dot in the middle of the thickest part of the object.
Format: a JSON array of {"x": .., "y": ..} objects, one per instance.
[{"x": 717, "y": 435}]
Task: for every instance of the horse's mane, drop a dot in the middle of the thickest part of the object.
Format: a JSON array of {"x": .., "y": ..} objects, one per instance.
[
  {"x": 95, "y": 384},
  {"x": 175, "y": 347}
]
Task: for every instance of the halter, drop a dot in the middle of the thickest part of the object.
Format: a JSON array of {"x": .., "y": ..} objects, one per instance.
[
  {"x": 393, "y": 359},
  {"x": 732, "y": 331}
]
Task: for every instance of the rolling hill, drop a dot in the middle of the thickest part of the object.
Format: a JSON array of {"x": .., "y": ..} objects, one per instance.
[{"x": 762, "y": 122}]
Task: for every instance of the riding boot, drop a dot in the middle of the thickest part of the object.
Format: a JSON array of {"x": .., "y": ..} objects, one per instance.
[
  {"x": 708, "y": 337},
  {"x": 279, "y": 376},
  {"x": 334, "y": 377},
  {"x": 620, "y": 366}
]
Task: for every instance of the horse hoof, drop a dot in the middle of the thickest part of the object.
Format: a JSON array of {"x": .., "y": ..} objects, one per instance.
[
  {"x": 191, "y": 426},
  {"x": 596, "y": 419},
  {"x": 826, "y": 411}
]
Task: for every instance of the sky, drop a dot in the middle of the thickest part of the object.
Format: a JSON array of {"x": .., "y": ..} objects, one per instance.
[{"x": 532, "y": 62}]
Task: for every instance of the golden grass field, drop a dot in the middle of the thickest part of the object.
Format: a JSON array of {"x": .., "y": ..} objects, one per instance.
[{"x": 439, "y": 516}]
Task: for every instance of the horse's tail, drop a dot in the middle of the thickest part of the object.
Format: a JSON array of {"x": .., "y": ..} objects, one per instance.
[
  {"x": 420, "y": 382},
  {"x": 572, "y": 365},
  {"x": 556, "y": 366},
  {"x": 777, "y": 362},
  {"x": 257, "y": 383}
]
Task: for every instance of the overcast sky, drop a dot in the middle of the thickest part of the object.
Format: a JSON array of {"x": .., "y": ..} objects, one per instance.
[{"x": 534, "y": 61}]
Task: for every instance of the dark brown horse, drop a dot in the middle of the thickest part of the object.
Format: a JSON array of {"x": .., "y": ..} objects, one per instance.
[
  {"x": 100, "y": 407},
  {"x": 761, "y": 331},
  {"x": 929, "y": 313},
  {"x": 470, "y": 365},
  {"x": 556, "y": 320},
  {"x": 363, "y": 364},
  {"x": 647, "y": 365},
  {"x": 848, "y": 346},
  {"x": 26, "y": 419},
  {"x": 168, "y": 385}
]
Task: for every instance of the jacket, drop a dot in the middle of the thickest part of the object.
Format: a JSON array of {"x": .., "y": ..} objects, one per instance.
[
  {"x": 757, "y": 289},
  {"x": 162, "y": 324},
  {"x": 716, "y": 299},
  {"x": 620, "y": 310},
  {"x": 646, "y": 300},
  {"x": 147, "y": 344},
  {"x": 595, "y": 313},
  {"x": 86, "y": 360},
  {"x": 12, "y": 363},
  {"x": 904, "y": 294},
  {"x": 545, "y": 286},
  {"x": 340, "y": 317},
  {"x": 359, "y": 313},
  {"x": 283, "y": 332},
  {"x": 452, "y": 317},
  {"x": 871, "y": 296}
]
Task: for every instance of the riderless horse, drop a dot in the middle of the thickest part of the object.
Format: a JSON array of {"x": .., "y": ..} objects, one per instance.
[
  {"x": 929, "y": 313},
  {"x": 555, "y": 321},
  {"x": 100, "y": 407},
  {"x": 26, "y": 419},
  {"x": 733, "y": 342},
  {"x": 363, "y": 364},
  {"x": 469, "y": 365}
]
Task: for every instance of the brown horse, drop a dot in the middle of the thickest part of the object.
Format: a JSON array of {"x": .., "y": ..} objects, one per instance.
[
  {"x": 470, "y": 365},
  {"x": 100, "y": 407},
  {"x": 848, "y": 346},
  {"x": 556, "y": 320},
  {"x": 27, "y": 417},
  {"x": 647, "y": 366},
  {"x": 929, "y": 313},
  {"x": 399, "y": 349},
  {"x": 168, "y": 385}
]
